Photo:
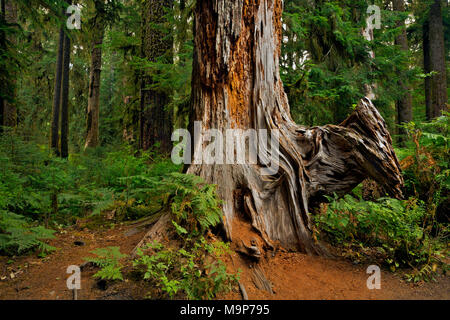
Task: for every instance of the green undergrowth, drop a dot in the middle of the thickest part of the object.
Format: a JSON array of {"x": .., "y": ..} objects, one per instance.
[
  {"x": 103, "y": 186},
  {"x": 188, "y": 264},
  {"x": 411, "y": 235},
  {"x": 192, "y": 268}
]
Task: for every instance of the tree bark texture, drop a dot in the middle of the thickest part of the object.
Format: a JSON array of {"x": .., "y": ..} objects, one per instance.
[
  {"x": 65, "y": 98},
  {"x": 236, "y": 84},
  {"x": 54, "y": 134},
  {"x": 155, "y": 121},
  {"x": 93, "y": 112},
  {"x": 3, "y": 71},
  {"x": 9, "y": 105},
  {"x": 404, "y": 104},
  {"x": 434, "y": 60}
]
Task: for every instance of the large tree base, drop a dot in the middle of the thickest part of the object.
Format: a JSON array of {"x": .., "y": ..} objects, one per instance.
[
  {"x": 270, "y": 211},
  {"x": 236, "y": 84}
]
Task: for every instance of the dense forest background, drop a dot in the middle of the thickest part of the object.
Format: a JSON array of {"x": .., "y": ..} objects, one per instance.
[
  {"x": 87, "y": 115},
  {"x": 325, "y": 63}
]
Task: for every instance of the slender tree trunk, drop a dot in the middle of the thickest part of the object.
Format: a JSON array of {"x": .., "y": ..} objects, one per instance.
[
  {"x": 54, "y": 136},
  {"x": 404, "y": 104},
  {"x": 93, "y": 112},
  {"x": 434, "y": 60},
  {"x": 427, "y": 69},
  {"x": 369, "y": 89},
  {"x": 9, "y": 105},
  {"x": 236, "y": 84},
  {"x": 3, "y": 49},
  {"x": 155, "y": 121},
  {"x": 65, "y": 98}
]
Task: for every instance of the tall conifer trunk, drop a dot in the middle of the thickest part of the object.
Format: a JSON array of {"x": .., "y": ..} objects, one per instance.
[
  {"x": 54, "y": 134},
  {"x": 9, "y": 104},
  {"x": 434, "y": 61},
  {"x": 404, "y": 104},
  {"x": 93, "y": 112},
  {"x": 155, "y": 120},
  {"x": 65, "y": 98}
]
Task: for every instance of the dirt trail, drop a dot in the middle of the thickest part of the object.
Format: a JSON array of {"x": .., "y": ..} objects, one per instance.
[
  {"x": 298, "y": 276},
  {"x": 293, "y": 275},
  {"x": 37, "y": 278}
]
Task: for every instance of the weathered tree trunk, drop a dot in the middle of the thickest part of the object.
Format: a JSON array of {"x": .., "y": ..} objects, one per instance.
[
  {"x": 54, "y": 134},
  {"x": 434, "y": 60},
  {"x": 404, "y": 104},
  {"x": 65, "y": 98},
  {"x": 155, "y": 121},
  {"x": 9, "y": 105},
  {"x": 93, "y": 112},
  {"x": 236, "y": 84}
]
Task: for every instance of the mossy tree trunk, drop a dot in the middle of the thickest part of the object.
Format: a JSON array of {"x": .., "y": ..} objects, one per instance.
[
  {"x": 434, "y": 61},
  {"x": 155, "y": 120},
  {"x": 54, "y": 134},
  {"x": 93, "y": 111},
  {"x": 404, "y": 104},
  {"x": 9, "y": 104},
  {"x": 65, "y": 98},
  {"x": 59, "y": 134}
]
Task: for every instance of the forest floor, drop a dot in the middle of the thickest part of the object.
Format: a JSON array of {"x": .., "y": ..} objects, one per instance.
[{"x": 292, "y": 275}]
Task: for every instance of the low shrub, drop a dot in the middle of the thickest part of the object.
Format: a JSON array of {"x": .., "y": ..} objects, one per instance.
[
  {"x": 192, "y": 269},
  {"x": 108, "y": 259},
  {"x": 396, "y": 229},
  {"x": 17, "y": 235}
]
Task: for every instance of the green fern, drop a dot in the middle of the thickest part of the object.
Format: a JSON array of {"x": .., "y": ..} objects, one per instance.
[
  {"x": 108, "y": 259},
  {"x": 194, "y": 203},
  {"x": 17, "y": 236}
]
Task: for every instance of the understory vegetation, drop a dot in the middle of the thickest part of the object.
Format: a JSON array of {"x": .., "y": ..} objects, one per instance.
[
  {"x": 37, "y": 188},
  {"x": 411, "y": 233},
  {"x": 188, "y": 266},
  {"x": 40, "y": 193}
]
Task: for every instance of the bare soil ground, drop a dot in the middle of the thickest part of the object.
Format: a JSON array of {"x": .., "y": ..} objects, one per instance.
[
  {"x": 296, "y": 276},
  {"x": 292, "y": 275}
]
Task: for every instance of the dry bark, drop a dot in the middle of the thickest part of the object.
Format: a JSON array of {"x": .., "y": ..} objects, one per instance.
[
  {"x": 156, "y": 233},
  {"x": 236, "y": 84}
]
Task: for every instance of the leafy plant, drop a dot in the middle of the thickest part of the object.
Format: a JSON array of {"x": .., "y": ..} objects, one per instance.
[
  {"x": 194, "y": 203},
  {"x": 18, "y": 236},
  {"x": 193, "y": 269},
  {"x": 194, "y": 272},
  {"x": 426, "y": 164},
  {"x": 108, "y": 259},
  {"x": 394, "y": 227}
]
